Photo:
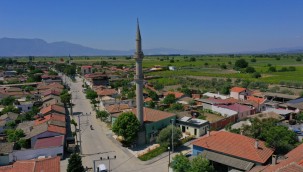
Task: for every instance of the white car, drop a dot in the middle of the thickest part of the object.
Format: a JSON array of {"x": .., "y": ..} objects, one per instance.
[{"x": 102, "y": 168}]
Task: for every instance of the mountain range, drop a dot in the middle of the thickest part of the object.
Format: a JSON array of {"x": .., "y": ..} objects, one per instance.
[{"x": 39, "y": 47}]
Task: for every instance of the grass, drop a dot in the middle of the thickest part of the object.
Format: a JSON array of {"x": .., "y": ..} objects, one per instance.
[{"x": 153, "y": 153}]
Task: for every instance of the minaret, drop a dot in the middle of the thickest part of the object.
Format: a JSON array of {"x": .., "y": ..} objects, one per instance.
[{"x": 138, "y": 56}]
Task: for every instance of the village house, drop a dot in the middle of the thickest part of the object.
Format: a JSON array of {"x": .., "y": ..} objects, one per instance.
[
  {"x": 291, "y": 162},
  {"x": 86, "y": 70},
  {"x": 239, "y": 93},
  {"x": 6, "y": 153},
  {"x": 34, "y": 165},
  {"x": 193, "y": 126},
  {"x": 243, "y": 111},
  {"x": 228, "y": 151},
  {"x": 52, "y": 109}
]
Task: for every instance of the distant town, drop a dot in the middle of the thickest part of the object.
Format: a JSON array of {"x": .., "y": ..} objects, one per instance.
[{"x": 225, "y": 113}]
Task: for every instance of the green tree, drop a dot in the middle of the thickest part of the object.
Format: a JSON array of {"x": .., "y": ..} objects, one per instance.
[
  {"x": 180, "y": 163},
  {"x": 10, "y": 108},
  {"x": 11, "y": 124},
  {"x": 250, "y": 69},
  {"x": 240, "y": 64},
  {"x": 299, "y": 117},
  {"x": 91, "y": 94},
  {"x": 103, "y": 115},
  {"x": 8, "y": 101},
  {"x": 66, "y": 98},
  {"x": 253, "y": 60},
  {"x": 200, "y": 164},
  {"x": 256, "y": 75},
  {"x": 272, "y": 69},
  {"x": 169, "y": 99},
  {"x": 75, "y": 163},
  {"x": 176, "y": 106},
  {"x": 127, "y": 126},
  {"x": 153, "y": 95},
  {"x": 14, "y": 135},
  {"x": 164, "y": 137}
]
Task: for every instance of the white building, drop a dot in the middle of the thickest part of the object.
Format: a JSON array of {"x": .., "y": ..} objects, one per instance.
[{"x": 193, "y": 126}]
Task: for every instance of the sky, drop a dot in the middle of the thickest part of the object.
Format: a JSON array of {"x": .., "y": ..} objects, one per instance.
[{"x": 210, "y": 26}]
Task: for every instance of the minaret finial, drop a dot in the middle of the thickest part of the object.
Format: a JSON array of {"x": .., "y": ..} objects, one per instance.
[{"x": 138, "y": 30}]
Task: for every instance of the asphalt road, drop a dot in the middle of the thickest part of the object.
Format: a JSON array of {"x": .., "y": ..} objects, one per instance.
[{"x": 96, "y": 143}]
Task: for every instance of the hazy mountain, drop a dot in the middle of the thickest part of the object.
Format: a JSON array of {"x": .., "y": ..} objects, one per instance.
[{"x": 39, "y": 47}]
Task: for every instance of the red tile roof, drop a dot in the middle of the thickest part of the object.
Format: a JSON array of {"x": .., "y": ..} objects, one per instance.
[
  {"x": 34, "y": 165},
  {"x": 56, "y": 129},
  {"x": 256, "y": 99},
  {"x": 85, "y": 67},
  {"x": 148, "y": 99},
  {"x": 237, "y": 89},
  {"x": 46, "y": 118},
  {"x": 106, "y": 92},
  {"x": 237, "y": 107},
  {"x": 293, "y": 167},
  {"x": 235, "y": 145},
  {"x": 49, "y": 142},
  {"x": 116, "y": 108},
  {"x": 152, "y": 115},
  {"x": 53, "y": 91},
  {"x": 177, "y": 94},
  {"x": 54, "y": 108},
  {"x": 196, "y": 96},
  {"x": 294, "y": 156}
]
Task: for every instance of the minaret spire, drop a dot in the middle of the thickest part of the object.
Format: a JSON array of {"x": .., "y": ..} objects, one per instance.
[{"x": 138, "y": 56}]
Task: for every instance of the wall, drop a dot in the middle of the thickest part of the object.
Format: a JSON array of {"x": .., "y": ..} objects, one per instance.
[
  {"x": 222, "y": 123},
  {"x": 156, "y": 127},
  {"x": 234, "y": 95},
  {"x": 196, "y": 150},
  {"x": 35, "y": 153},
  {"x": 25, "y": 107},
  {"x": 6, "y": 159},
  {"x": 207, "y": 106}
]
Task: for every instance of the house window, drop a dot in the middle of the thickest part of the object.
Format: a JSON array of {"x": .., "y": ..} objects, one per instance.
[
  {"x": 186, "y": 127},
  {"x": 195, "y": 131}
]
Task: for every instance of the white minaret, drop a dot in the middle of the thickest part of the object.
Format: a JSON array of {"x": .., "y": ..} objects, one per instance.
[{"x": 138, "y": 56}]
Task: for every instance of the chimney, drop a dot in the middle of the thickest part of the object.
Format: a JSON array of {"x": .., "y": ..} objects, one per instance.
[
  {"x": 208, "y": 132},
  {"x": 30, "y": 128},
  {"x": 274, "y": 159},
  {"x": 257, "y": 144},
  {"x": 241, "y": 131}
]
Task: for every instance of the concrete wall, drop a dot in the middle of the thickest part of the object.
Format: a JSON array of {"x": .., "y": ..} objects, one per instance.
[
  {"x": 35, "y": 153},
  {"x": 25, "y": 107},
  {"x": 234, "y": 95}
]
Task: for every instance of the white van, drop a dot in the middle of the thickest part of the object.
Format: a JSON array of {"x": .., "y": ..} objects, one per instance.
[{"x": 102, "y": 168}]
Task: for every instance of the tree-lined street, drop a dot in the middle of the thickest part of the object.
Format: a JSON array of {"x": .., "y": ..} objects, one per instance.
[{"x": 96, "y": 142}]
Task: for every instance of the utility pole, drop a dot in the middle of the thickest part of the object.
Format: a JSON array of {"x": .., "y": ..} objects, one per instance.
[
  {"x": 168, "y": 157},
  {"x": 79, "y": 130},
  {"x": 172, "y": 135}
]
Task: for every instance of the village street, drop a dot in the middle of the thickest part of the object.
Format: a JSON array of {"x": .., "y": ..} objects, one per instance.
[{"x": 96, "y": 142}]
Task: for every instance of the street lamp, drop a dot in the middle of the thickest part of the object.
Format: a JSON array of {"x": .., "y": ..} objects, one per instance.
[
  {"x": 172, "y": 135},
  {"x": 168, "y": 157}
]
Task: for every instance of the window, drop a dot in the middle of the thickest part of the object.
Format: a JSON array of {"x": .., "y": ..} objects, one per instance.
[
  {"x": 195, "y": 131},
  {"x": 186, "y": 127}
]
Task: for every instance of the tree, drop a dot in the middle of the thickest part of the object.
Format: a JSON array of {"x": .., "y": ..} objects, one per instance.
[
  {"x": 298, "y": 59},
  {"x": 164, "y": 137},
  {"x": 253, "y": 60},
  {"x": 200, "y": 164},
  {"x": 91, "y": 94},
  {"x": 14, "y": 135},
  {"x": 66, "y": 98},
  {"x": 180, "y": 163},
  {"x": 256, "y": 75},
  {"x": 240, "y": 64},
  {"x": 176, "y": 106},
  {"x": 169, "y": 99},
  {"x": 153, "y": 95},
  {"x": 272, "y": 69},
  {"x": 127, "y": 126},
  {"x": 10, "y": 108},
  {"x": 8, "y": 100},
  {"x": 103, "y": 115},
  {"x": 75, "y": 163},
  {"x": 250, "y": 69}
]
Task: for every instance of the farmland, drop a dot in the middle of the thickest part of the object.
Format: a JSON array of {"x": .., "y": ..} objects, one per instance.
[{"x": 208, "y": 66}]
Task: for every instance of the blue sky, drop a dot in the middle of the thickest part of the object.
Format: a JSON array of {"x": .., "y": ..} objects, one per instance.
[{"x": 206, "y": 26}]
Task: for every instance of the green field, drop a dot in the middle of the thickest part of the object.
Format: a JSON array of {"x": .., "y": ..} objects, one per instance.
[{"x": 208, "y": 66}]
